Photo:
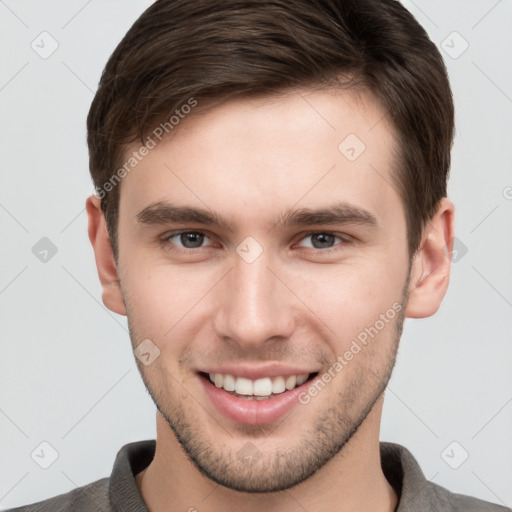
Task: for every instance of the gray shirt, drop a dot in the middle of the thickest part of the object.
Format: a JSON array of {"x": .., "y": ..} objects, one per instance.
[{"x": 119, "y": 492}]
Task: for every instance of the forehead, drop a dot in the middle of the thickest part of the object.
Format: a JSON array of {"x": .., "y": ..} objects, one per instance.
[{"x": 258, "y": 157}]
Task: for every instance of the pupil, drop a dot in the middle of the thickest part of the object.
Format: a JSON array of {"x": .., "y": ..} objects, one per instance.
[
  {"x": 327, "y": 239},
  {"x": 192, "y": 237}
]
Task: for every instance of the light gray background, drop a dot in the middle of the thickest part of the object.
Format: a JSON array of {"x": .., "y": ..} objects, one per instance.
[{"x": 67, "y": 373}]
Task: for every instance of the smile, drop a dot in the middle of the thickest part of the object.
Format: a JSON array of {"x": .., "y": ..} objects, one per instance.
[
  {"x": 256, "y": 401},
  {"x": 259, "y": 388}
]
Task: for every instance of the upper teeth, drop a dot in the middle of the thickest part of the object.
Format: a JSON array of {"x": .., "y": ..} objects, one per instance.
[{"x": 258, "y": 387}]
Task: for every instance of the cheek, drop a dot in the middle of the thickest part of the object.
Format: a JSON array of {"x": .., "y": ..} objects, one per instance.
[
  {"x": 350, "y": 299},
  {"x": 357, "y": 288},
  {"x": 164, "y": 299},
  {"x": 167, "y": 300}
]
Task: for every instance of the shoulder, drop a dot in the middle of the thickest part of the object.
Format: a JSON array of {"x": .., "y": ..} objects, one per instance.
[
  {"x": 88, "y": 498},
  {"x": 443, "y": 499},
  {"x": 417, "y": 493},
  {"x": 117, "y": 492}
]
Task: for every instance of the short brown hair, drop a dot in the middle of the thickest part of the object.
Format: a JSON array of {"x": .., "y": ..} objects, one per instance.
[{"x": 178, "y": 49}]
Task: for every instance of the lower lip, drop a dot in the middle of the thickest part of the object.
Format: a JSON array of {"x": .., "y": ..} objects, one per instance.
[{"x": 252, "y": 412}]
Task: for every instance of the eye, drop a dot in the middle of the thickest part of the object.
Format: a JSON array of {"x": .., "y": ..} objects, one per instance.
[
  {"x": 187, "y": 239},
  {"x": 322, "y": 239},
  {"x": 190, "y": 240}
]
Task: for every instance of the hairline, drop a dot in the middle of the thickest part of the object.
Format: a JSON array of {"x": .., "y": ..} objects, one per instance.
[{"x": 351, "y": 82}]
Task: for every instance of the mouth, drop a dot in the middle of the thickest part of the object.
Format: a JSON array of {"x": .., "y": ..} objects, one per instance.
[
  {"x": 254, "y": 401},
  {"x": 258, "y": 389}
]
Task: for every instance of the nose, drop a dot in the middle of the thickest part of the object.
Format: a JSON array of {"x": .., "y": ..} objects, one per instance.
[{"x": 255, "y": 305}]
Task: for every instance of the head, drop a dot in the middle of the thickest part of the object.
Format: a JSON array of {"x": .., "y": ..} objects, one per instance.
[{"x": 315, "y": 139}]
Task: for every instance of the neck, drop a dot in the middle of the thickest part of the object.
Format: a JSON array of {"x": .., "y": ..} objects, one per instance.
[{"x": 351, "y": 481}]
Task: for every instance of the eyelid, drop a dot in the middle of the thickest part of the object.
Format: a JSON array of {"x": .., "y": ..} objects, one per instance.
[
  {"x": 345, "y": 239},
  {"x": 164, "y": 239}
]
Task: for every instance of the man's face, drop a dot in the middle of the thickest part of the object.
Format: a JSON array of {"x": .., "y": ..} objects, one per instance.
[{"x": 264, "y": 300}]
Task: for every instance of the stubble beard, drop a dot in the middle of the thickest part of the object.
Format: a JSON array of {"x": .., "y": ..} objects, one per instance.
[{"x": 250, "y": 470}]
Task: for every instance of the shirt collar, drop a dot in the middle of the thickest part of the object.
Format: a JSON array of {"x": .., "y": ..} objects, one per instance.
[
  {"x": 398, "y": 465},
  {"x": 404, "y": 474}
]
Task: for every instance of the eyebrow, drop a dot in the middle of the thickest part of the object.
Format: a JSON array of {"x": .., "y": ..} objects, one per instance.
[{"x": 163, "y": 212}]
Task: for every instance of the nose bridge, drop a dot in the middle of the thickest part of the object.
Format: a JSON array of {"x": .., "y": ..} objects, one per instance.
[{"x": 255, "y": 306}]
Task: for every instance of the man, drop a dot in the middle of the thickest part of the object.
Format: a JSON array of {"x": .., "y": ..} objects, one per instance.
[{"x": 271, "y": 204}]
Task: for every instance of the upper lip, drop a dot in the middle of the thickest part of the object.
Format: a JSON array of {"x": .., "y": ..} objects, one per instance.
[{"x": 255, "y": 371}]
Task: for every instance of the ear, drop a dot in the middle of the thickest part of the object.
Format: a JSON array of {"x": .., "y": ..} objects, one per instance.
[
  {"x": 430, "y": 270},
  {"x": 105, "y": 263}
]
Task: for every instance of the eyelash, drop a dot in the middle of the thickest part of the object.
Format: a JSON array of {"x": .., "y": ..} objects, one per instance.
[{"x": 165, "y": 241}]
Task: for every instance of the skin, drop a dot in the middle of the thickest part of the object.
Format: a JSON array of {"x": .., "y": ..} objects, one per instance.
[{"x": 298, "y": 303}]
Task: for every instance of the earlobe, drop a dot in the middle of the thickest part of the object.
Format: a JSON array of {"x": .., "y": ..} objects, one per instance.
[
  {"x": 105, "y": 263},
  {"x": 430, "y": 272}
]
